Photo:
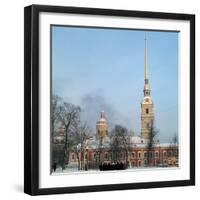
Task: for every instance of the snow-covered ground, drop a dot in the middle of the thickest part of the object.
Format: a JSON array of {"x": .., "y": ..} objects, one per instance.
[{"x": 59, "y": 170}]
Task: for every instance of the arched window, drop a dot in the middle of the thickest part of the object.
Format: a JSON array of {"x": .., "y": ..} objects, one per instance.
[
  {"x": 139, "y": 163},
  {"x": 133, "y": 155},
  {"x": 147, "y": 111},
  {"x": 156, "y": 154}
]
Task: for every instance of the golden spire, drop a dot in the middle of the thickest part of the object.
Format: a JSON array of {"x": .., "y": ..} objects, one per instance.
[{"x": 146, "y": 61}]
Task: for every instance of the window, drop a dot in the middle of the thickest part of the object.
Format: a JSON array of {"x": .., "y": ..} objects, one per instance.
[
  {"x": 133, "y": 155},
  {"x": 147, "y": 111},
  {"x": 150, "y": 154},
  {"x": 148, "y": 125},
  {"x": 164, "y": 153},
  {"x": 156, "y": 154},
  {"x": 145, "y": 154},
  {"x": 139, "y": 163},
  {"x": 139, "y": 154},
  {"x": 73, "y": 157}
]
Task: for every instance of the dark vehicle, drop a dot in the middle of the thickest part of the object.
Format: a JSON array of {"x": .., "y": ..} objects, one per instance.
[{"x": 112, "y": 166}]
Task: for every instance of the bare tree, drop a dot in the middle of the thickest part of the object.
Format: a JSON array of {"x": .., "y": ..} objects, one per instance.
[
  {"x": 81, "y": 132},
  {"x": 55, "y": 113},
  {"x": 69, "y": 116},
  {"x": 119, "y": 143},
  {"x": 100, "y": 151},
  {"x": 174, "y": 139},
  {"x": 152, "y": 134},
  {"x": 174, "y": 148}
]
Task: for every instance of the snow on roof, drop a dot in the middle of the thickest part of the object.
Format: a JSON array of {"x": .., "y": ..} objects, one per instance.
[
  {"x": 144, "y": 145},
  {"x": 135, "y": 141}
]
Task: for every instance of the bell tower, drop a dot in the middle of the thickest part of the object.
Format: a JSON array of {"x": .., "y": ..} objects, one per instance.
[
  {"x": 102, "y": 127},
  {"x": 147, "y": 114}
]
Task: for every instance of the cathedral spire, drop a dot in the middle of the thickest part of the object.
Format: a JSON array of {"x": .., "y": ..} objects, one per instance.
[
  {"x": 147, "y": 114},
  {"x": 146, "y": 80},
  {"x": 146, "y": 61}
]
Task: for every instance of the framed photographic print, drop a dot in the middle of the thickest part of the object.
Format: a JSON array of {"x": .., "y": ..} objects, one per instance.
[{"x": 109, "y": 100}]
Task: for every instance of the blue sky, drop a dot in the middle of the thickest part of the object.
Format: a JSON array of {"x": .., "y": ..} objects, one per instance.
[{"x": 103, "y": 69}]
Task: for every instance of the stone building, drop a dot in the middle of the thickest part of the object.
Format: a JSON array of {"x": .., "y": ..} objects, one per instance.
[{"x": 160, "y": 155}]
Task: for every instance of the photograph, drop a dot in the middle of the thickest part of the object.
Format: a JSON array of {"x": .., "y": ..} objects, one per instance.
[{"x": 114, "y": 100}]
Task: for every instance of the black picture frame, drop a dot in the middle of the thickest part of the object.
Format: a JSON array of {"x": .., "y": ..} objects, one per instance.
[{"x": 31, "y": 98}]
